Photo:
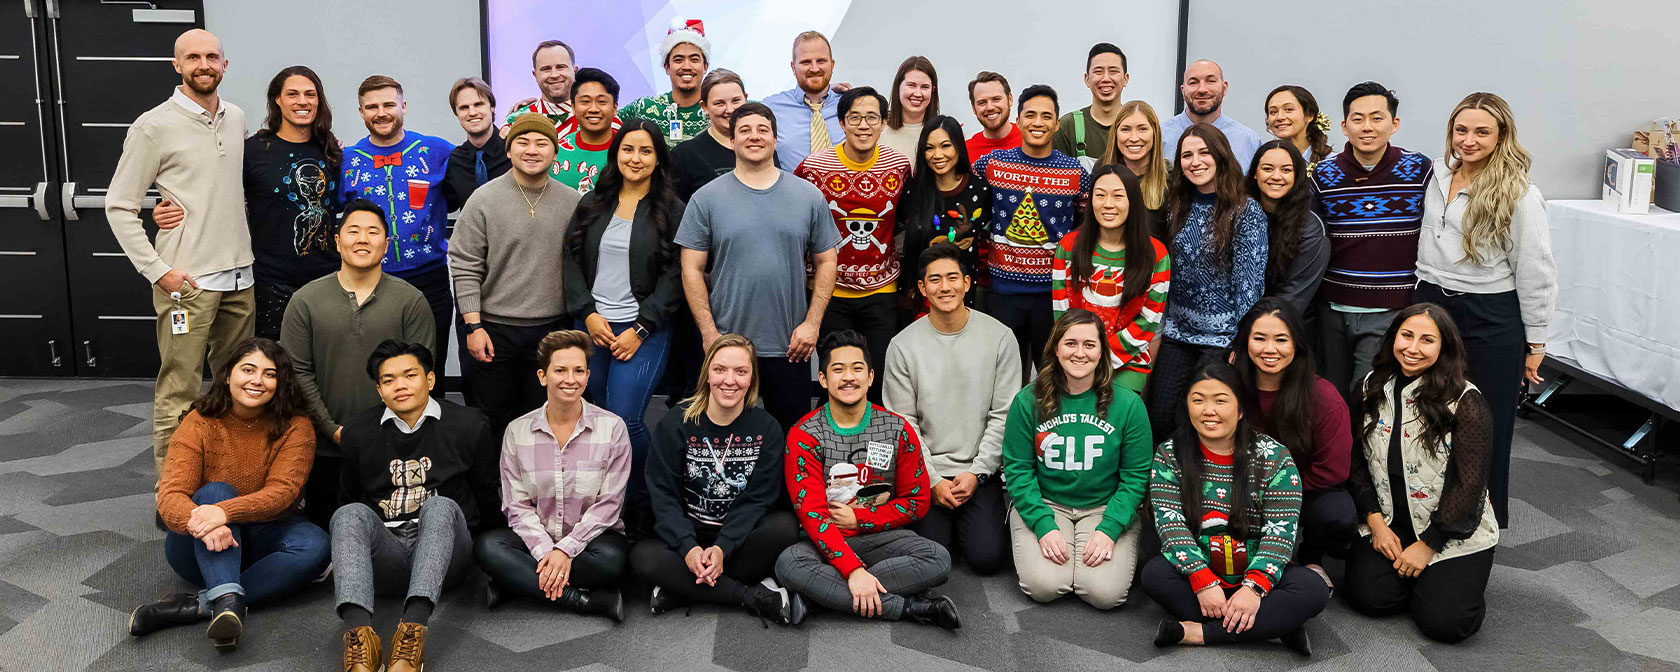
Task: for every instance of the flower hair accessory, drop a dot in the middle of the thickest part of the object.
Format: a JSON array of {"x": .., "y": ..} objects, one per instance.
[{"x": 1322, "y": 122}]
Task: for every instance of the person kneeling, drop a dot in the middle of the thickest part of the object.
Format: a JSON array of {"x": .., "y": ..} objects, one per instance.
[
  {"x": 713, "y": 472},
  {"x": 415, "y": 474},
  {"x": 1076, "y": 461},
  {"x": 563, "y": 500},
  {"x": 857, "y": 479},
  {"x": 229, "y": 497},
  {"x": 1227, "y": 502}
]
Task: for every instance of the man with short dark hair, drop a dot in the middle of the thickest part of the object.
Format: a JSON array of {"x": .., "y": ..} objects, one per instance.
[
  {"x": 679, "y": 113},
  {"x": 419, "y": 478},
  {"x": 861, "y": 180},
  {"x": 808, "y": 115},
  {"x": 582, "y": 153},
  {"x": 1204, "y": 88},
  {"x": 989, "y": 95},
  {"x": 1370, "y": 196},
  {"x": 1084, "y": 132},
  {"x": 402, "y": 171},
  {"x": 756, "y": 228},
  {"x": 856, "y": 476},
  {"x": 483, "y": 156},
  {"x": 709, "y": 154}
]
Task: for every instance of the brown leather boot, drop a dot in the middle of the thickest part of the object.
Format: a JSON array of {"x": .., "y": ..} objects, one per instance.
[
  {"x": 362, "y": 652},
  {"x": 408, "y": 648}
]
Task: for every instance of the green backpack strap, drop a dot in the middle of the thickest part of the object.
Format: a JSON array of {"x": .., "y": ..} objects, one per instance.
[{"x": 1079, "y": 132}]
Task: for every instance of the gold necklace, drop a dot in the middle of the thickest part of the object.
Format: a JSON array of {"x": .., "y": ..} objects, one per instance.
[{"x": 530, "y": 204}]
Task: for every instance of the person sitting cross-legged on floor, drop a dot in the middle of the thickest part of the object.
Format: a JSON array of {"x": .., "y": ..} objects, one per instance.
[
  {"x": 229, "y": 497},
  {"x": 418, "y": 478},
  {"x": 857, "y": 479},
  {"x": 564, "y": 499},
  {"x": 714, "y": 470}
]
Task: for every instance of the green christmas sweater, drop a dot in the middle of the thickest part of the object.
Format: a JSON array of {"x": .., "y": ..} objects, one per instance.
[
  {"x": 1209, "y": 553},
  {"x": 1077, "y": 459},
  {"x": 677, "y": 123}
]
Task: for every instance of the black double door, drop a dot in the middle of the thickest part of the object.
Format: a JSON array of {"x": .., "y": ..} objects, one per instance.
[{"x": 71, "y": 304}]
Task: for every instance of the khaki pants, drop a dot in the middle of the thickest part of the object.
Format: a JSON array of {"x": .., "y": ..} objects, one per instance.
[
  {"x": 1104, "y": 586},
  {"x": 216, "y": 322}
]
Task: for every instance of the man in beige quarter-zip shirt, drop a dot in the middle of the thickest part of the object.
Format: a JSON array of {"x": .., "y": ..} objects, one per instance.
[{"x": 191, "y": 147}]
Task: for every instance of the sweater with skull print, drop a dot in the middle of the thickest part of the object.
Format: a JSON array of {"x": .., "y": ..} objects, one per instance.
[
  {"x": 882, "y": 455},
  {"x": 394, "y": 472},
  {"x": 1205, "y": 550},
  {"x": 863, "y": 198}
]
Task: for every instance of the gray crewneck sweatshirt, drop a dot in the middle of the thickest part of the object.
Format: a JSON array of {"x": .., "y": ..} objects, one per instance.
[
  {"x": 955, "y": 389},
  {"x": 506, "y": 263}
]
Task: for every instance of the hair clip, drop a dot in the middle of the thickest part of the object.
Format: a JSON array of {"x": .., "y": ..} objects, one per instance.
[{"x": 1322, "y": 122}]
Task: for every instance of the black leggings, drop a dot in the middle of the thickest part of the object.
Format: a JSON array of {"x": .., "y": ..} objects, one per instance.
[
  {"x": 1169, "y": 381},
  {"x": 1447, "y": 601},
  {"x": 785, "y": 388},
  {"x": 659, "y": 565},
  {"x": 978, "y": 530},
  {"x": 1328, "y": 523},
  {"x": 1296, "y": 597},
  {"x": 1030, "y": 317},
  {"x": 504, "y": 556}
]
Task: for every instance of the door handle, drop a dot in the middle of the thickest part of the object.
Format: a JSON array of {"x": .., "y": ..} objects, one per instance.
[
  {"x": 67, "y": 199},
  {"x": 52, "y": 354},
  {"x": 41, "y": 201},
  {"x": 98, "y": 202},
  {"x": 87, "y": 346}
]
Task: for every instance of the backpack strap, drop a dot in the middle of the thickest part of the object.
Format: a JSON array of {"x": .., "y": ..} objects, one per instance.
[{"x": 1079, "y": 132}]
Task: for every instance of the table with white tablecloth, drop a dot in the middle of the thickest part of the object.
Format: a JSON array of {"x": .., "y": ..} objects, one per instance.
[{"x": 1618, "y": 307}]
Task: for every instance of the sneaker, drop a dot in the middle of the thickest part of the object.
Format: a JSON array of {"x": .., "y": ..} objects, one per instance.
[
  {"x": 325, "y": 574},
  {"x": 663, "y": 600},
  {"x": 408, "y": 648},
  {"x": 362, "y": 651},
  {"x": 796, "y": 602},
  {"x": 769, "y": 604}
]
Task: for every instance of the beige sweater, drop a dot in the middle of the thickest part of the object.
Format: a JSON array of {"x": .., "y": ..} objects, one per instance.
[{"x": 196, "y": 163}]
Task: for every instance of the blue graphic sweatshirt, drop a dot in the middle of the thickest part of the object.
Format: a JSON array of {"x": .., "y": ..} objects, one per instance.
[{"x": 406, "y": 179}]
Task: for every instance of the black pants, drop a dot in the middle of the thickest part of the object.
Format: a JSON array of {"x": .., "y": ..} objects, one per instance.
[
  {"x": 506, "y": 386},
  {"x": 1295, "y": 598},
  {"x": 1447, "y": 601},
  {"x": 1029, "y": 316},
  {"x": 434, "y": 283},
  {"x": 1492, "y": 327},
  {"x": 321, "y": 491},
  {"x": 1169, "y": 382},
  {"x": 977, "y": 530},
  {"x": 876, "y": 317},
  {"x": 504, "y": 556},
  {"x": 785, "y": 388},
  {"x": 660, "y": 565},
  {"x": 1328, "y": 523},
  {"x": 682, "y": 367},
  {"x": 271, "y": 298}
]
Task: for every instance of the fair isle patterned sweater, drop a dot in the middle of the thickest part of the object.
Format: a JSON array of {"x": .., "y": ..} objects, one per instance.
[
  {"x": 1210, "y": 295},
  {"x": 1208, "y": 553},
  {"x": 1034, "y": 203},
  {"x": 1373, "y": 218}
]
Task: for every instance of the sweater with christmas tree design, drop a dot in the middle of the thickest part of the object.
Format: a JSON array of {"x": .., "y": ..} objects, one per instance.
[
  {"x": 1077, "y": 458},
  {"x": 862, "y": 197},
  {"x": 876, "y": 467},
  {"x": 677, "y": 123},
  {"x": 578, "y": 164},
  {"x": 1131, "y": 325},
  {"x": 1205, "y": 550},
  {"x": 1034, "y": 203}
]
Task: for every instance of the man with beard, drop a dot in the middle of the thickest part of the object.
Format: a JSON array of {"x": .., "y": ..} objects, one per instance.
[
  {"x": 1084, "y": 132},
  {"x": 483, "y": 156},
  {"x": 192, "y": 148},
  {"x": 402, "y": 171},
  {"x": 679, "y": 113},
  {"x": 989, "y": 95},
  {"x": 1204, "y": 89},
  {"x": 807, "y": 116}
]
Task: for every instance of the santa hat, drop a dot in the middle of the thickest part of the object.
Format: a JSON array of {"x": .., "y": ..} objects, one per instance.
[{"x": 686, "y": 31}]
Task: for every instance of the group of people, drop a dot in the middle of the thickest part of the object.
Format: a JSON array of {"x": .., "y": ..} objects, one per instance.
[{"x": 1091, "y": 345}]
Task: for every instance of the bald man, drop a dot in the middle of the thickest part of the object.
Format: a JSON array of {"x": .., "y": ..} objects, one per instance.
[
  {"x": 190, "y": 148},
  {"x": 1204, "y": 89}
]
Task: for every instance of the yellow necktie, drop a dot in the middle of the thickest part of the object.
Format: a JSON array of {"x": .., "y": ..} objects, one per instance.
[{"x": 819, "y": 127}]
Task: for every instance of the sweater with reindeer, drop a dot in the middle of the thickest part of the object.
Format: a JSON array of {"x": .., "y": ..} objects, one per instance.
[
  {"x": 1206, "y": 550},
  {"x": 875, "y": 466},
  {"x": 863, "y": 198}
]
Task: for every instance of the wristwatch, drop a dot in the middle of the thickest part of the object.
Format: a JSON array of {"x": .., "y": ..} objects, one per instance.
[
  {"x": 473, "y": 326},
  {"x": 1253, "y": 585},
  {"x": 641, "y": 332},
  {"x": 1537, "y": 348}
]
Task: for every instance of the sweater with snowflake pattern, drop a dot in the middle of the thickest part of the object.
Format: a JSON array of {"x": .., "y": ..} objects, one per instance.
[
  {"x": 1208, "y": 554},
  {"x": 406, "y": 179},
  {"x": 1034, "y": 203},
  {"x": 1210, "y": 295},
  {"x": 883, "y": 452}
]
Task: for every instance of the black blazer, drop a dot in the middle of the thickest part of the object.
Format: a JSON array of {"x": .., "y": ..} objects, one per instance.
[{"x": 655, "y": 271}]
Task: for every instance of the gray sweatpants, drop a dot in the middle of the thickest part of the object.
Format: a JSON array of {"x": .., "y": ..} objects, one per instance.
[
  {"x": 905, "y": 563},
  {"x": 370, "y": 559}
]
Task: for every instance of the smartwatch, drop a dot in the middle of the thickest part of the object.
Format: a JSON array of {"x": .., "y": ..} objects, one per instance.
[
  {"x": 641, "y": 332},
  {"x": 473, "y": 326}
]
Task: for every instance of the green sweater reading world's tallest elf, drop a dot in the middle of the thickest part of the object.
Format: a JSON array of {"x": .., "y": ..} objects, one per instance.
[{"x": 1078, "y": 459}]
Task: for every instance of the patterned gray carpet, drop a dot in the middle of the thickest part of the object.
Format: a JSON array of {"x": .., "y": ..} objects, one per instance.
[{"x": 1588, "y": 578}]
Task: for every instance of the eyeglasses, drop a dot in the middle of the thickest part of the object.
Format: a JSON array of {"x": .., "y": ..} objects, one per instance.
[{"x": 863, "y": 120}]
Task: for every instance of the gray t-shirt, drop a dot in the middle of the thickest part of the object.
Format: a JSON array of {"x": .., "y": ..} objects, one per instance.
[
  {"x": 613, "y": 298},
  {"x": 758, "y": 241}
]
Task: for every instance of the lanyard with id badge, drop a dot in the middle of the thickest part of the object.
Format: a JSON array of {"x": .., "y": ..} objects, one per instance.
[
  {"x": 672, "y": 122},
  {"x": 178, "y": 324}
]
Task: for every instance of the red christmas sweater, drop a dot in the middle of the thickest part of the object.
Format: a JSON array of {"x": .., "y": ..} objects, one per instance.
[
  {"x": 1130, "y": 326},
  {"x": 863, "y": 197},
  {"x": 876, "y": 467}
]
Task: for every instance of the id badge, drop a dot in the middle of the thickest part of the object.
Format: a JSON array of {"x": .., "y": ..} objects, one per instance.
[
  {"x": 178, "y": 321},
  {"x": 880, "y": 455},
  {"x": 676, "y": 130}
]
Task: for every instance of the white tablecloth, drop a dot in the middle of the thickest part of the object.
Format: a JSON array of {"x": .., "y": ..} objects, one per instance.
[{"x": 1618, "y": 309}]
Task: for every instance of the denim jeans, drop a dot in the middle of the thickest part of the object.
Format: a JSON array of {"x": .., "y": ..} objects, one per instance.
[
  {"x": 623, "y": 388},
  {"x": 273, "y": 558}
]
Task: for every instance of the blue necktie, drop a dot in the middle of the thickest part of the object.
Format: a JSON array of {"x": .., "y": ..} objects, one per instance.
[{"x": 479, "y": 171}]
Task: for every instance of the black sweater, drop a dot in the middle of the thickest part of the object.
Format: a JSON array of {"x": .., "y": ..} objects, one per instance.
[
  {"x": 723, "y": 477},
  {"x": 455, "y": 456},
  {"x": 655, "y": 270}
]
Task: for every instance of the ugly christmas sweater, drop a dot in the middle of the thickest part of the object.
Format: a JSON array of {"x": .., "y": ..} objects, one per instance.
[
  {"x": 577, "y": 164},
  {"x": 406, "y": 179},
  {"x": 677, "y": 123},
  {"x": 1131, "y": 325},
  {"x": 1034, "y": 203},
  {"x": 891, "y": 479},
  {"x": 1205, "y": 550},
  {"x": 863, "y": 198},
  {"x": 1077, "y": 458}
]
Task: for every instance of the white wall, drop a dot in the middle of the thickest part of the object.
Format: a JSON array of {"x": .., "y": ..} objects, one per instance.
[
  {"x": 1579, "y": 75},
  {"x": 424, "y": 44}
]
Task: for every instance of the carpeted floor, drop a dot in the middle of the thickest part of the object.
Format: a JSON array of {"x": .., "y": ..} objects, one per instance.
[{"x": 1587, "y": 578}]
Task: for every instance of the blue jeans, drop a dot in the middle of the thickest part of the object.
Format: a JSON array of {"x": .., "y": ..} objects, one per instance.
[
  {"x": 272, "y": 559},
  {"x": 623, "y": 388}
]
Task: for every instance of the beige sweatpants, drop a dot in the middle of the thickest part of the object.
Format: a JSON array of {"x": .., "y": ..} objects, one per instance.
[
  {"x": 1104, "y": 586},
  {"x": 216, "y": 322}
]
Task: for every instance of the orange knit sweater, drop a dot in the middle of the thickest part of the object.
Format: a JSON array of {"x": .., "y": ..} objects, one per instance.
[{"x": 268, "y": 476}]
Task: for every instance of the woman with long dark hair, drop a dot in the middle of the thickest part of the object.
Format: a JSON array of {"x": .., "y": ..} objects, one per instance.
[
  {"x": 913, "y": 101},
  {"x": 1076, "y": 464},
  {"x": 1297, "y": 250},
  {"x": 1218, "y": 244},
  {"x": 1291, "y": 403},
  {"x": 1292, "y": 116},
  {"x": 1227, "y": 500},
  {"x": 1419, "y": 480},
  {"x": 946, "y": 201},
  {"x": 623, "y": 281},
  {"x": 229, "y": 496},
  {"x": 1112, "y": 267}
]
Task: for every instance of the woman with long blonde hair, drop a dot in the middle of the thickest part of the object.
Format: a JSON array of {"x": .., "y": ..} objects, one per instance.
[
  {"x": 1135, "y": 140},
  {"x": 1486, "y": 257}
]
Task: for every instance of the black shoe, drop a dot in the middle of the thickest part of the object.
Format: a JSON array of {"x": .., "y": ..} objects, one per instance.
[
  {"x": 227, "y": 621},
  {"x": 930, "y": 609},
  {"x": 598, "y": 602},
  {"x": 492, "y": 595},
  {"x": 770, "y": 604},
  {"x": 1169, "y": 632},
  {"x": 177, "y": 609},
  {"x": 1298, "y": 642},
  {"x": 662, "y": 600}
]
